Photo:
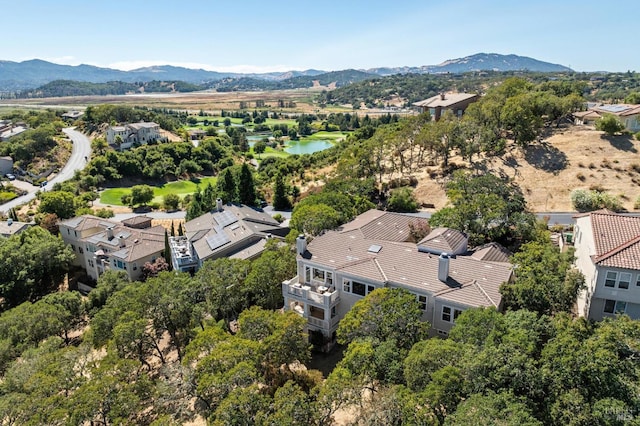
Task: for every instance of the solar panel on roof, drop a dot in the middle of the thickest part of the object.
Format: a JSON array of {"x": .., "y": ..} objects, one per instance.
[
  {"x": 218, "y": 240},
  {"x": 225, "y": 218},
  {"x": 614, "y": 108}
]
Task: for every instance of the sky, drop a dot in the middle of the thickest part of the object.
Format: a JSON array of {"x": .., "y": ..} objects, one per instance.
[{"x": 275, "y": 35}]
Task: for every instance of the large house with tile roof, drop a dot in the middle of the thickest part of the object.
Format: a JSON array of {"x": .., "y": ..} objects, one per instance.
[
  {"x": 436, "y": 105},
  {"x": 608, "y": 255},
  {"x": 230, "y": 230},
  {"x": 628, "y": 115},
  {"x": 130, "y": 134},
  {"x": 340, "y": 267},
  {"x": 101, "y": 244}
]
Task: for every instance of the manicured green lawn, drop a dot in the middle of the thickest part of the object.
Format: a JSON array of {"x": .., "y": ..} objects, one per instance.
[
  {"x": 182, "y": 187},
  {"x": 331, "y": 136}
]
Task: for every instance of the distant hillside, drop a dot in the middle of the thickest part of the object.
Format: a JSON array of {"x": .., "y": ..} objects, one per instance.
[
  {"x": 496, "y": 62},
  {"x": 339, "y": 78},
  {"x": 59, "y": 88},
  {"x": 477, "y": 62},
  {"x": 16, "y": 76}
]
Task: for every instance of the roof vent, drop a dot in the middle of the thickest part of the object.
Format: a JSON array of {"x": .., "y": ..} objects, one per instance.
[{"x": 9, "y": 221}]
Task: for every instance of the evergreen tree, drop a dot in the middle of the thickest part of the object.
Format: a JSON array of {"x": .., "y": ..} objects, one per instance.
[
  {"x": 227, "y": 186},
  {"x": 194, "y": 210},
  {"x": 208, "y": 198},
  {"x": 173, "y": 230},
  {"x": 246, "y": 186},
  {"x": 180, "y": 230},
  {"x": 280, "y": 199},
  {"x": 167, "y": 248}
]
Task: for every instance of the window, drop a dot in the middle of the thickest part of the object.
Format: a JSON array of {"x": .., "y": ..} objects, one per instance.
[
  {"x": 73, "y": 247},
  {"x": 80, "y": 250},
  {"x": 307, "y": 274},
  {"x": 135, "y": 266},
  {"x": 329, "y": 279},
  {"x": 446, "y": 314},
  {"x": 119, "y": 263},
  {"x": 359, "y": 289},
  {"x": 355, "y": 287},
  {"x": 610, "y": 279},
  {"x": 638, "y": 281},
  {"x": 422, "y": 301},
  {"x": 623, "y": 279},
  {"x": 91, "y": 263},
  {"x": 318, "y": 274},
  {"x": 615, "y": 307},
  {"x": 450, "y": 314}
]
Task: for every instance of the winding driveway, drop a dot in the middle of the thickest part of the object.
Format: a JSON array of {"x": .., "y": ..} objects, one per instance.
[{"x": 81, "y": 150}]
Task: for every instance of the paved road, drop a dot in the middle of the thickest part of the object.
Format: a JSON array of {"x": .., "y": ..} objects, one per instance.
[{"x": 81, "y": 150}]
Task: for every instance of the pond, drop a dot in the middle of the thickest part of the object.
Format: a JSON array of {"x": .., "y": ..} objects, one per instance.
[
  {"x": 307, "y": 147},
  {"x": 296, "y": 147}
]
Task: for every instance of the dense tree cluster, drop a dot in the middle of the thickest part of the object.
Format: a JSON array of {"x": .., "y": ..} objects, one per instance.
[
  {"x": 487, "y": 208},
  {"x": 32, "y": 264}
]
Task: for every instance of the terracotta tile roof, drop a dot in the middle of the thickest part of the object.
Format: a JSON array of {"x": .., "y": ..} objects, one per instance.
[
  {"x": 450, "y": 99},
  {"x": 444, "y": 240},
  {"x": 616, "y": 238},
  {"x": 401, "y": 264},
  {"x": 381, "y": 225},
  {"x": 492, "y": 252}
]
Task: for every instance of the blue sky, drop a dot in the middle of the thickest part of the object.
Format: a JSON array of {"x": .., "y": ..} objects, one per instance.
[{"x": 260, "y": 36}]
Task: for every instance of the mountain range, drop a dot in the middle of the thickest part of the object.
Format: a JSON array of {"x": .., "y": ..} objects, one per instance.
[{"x": 34, "y": 73}]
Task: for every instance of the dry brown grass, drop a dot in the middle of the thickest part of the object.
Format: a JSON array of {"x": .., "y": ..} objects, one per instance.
[{"x": 547, "y": 172}]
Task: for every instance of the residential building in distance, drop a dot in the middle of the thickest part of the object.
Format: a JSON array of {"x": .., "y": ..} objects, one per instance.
[
  {"x": 9, "y": 130},
  {"x": 130, "y": 134},
  {"x": 6, "y": 165},
  {"x": 101, "y": 244},
  {"x": 340, "y": 267},
  {"x": 72, "y": 115},
  {"x": 454, "y": 102},
  {"x": 608, "y": 255},
  {"x": 11, "y": 227},
  {"x": 628, "y": 115},
  {"x": 231, "y": 230}
]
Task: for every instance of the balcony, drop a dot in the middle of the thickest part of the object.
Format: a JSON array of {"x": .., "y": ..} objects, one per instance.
[{"x": 314, "y": 293}]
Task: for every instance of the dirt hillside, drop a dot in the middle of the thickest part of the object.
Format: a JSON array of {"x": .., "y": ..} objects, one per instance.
[{"x": 574, "y": 157}]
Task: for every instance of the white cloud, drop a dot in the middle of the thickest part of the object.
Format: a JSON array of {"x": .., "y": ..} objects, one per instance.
[
  {"x": 131, "y": 65},
  {"x": 63, "y": 60}
]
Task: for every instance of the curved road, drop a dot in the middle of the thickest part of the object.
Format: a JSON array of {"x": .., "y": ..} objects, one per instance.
[{"x": 81, "y": 150}]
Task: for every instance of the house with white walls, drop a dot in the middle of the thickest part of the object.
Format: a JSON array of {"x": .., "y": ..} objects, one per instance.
[
  {"x": 340, "y": 267},
  {"x": 608, "y": 255}
]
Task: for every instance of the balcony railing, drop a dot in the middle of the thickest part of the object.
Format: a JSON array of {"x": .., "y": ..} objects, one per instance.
[{"x": 318, "y": 295}]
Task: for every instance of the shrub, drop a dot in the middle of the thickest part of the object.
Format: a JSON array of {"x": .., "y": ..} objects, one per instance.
[
  {"x": 636, "y": 205},
  {"x": 402, "y": 200},
  {"x": 585, "y": 201},
  {"x": 171, "y": 202},
  {"x": 104, "y": 213},
  {"x": 581, "y": 177}
]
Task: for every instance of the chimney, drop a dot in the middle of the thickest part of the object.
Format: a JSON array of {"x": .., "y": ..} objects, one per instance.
[
  {"x": 301, "y": 244},
  {"x": 443, "y": 267},
  {"x": 219, "y": 204},
  {"x": 121, "y": 241},
  {"x": 109, "y": 233},
  {"x": 442, "y": 96}
]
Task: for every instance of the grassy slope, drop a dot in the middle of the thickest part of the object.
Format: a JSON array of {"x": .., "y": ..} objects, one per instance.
[{"x": 183, "y": 187}]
